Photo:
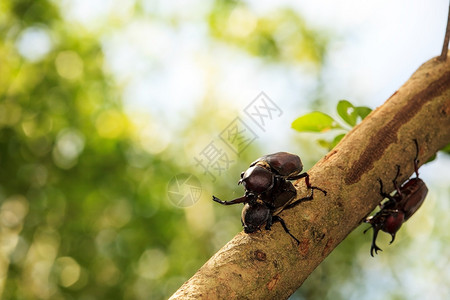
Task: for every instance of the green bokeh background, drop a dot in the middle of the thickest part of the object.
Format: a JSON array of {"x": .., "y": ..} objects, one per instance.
[{"x": 84, "y": 207}]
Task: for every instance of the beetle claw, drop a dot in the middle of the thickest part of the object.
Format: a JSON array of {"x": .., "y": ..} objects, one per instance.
[
  {"x": 393, "y": 238},
  {"x": 364, "y": 232},
  {"x": 318, "y": 188},
  {"x": 215, "y": 199},
  {"x": 376, "y": 248}
]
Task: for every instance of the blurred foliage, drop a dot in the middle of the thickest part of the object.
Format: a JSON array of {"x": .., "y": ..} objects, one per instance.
[
  {"x": 81, "y": 210},
  {"x": 320, "y": 122},
  {"x": 280, "y": 36},
  {"x": 84, "y": 209}
]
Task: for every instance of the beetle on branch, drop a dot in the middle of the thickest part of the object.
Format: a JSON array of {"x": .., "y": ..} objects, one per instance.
[
  {"x": 399, "y": 207},
  {"x": 268, "y": 190}
]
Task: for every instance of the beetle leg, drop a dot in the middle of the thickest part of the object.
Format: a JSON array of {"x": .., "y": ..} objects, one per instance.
[
  {"x": 374, "y": 239},
  {"x": 234, "y": 201},
  {"x": 364, "y": 232},
  {"x": 384, "y": 194},
  {"x": 295, "y": 203},
  {"x": 416, "y": 159},
  {"x": 395, "y": 181},
  {"x": 298, "y": 176},
  {"x": 374, "y": 245},
  {"x": 269, "y": 222},
  {"x": 308, "y": 184},
  {"x": 279, "y": 219}
]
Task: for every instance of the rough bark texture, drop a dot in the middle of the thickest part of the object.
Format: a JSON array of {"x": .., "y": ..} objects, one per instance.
[{"x": 270, "y": 264}]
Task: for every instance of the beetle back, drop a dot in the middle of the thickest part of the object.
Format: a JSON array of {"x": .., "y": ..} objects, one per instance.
[{"x": 283, "y": 163}]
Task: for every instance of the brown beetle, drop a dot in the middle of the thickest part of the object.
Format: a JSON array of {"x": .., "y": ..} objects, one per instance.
[
  {"x": 399, "y": 207},
  {"x": 268, "y": 190},
  {"x": 267, "y": 175}
]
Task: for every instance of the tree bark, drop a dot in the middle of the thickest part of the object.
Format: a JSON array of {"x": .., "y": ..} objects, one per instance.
[{"x": 270, "y": 264}]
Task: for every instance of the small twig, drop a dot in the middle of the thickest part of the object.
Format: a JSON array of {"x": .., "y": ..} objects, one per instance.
[{"x": 444, "y": 52}]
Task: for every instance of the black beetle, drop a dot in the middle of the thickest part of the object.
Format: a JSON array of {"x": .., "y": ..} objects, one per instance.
[
  {"x": 399, "y": 207},
  {"x": 268, "y": 190},
  {"x": 268, "y": 174},
  {"x": 255, "y": 215},
  {"x": 263, "y": 173}
]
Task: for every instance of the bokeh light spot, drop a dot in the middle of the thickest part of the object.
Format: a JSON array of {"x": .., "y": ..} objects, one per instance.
[
  {"x": 34, "y": 43},
  {"x": 69, "y": 145},
  {"x": 69, "y": 65},
  {"x": 153, "y": 264},
  {"x": 241, "y": 22},
  {"x": 69, "y": 271},
  {"x": 110, "y": 124},
  {"x": 13, "y": 211},
  {"x": 10, "y": 113}
]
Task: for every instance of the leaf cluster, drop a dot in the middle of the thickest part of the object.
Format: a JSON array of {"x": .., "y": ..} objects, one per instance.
[{"x": 319, "y": 122}]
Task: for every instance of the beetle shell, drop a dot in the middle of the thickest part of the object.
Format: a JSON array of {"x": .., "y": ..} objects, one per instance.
[
  {"x": 393, "y": 222},
  {"x": 257, "y": 179},
  {"x": 282, "y": 194},
  {"x": 282, "y": 163},
  {"x": 254, "y": 216},
  {"x": 413, "y": 192}
]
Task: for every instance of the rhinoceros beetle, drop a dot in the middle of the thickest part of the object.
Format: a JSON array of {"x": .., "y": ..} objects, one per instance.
[
  {"x": 255, "y": 215},
  {"x": 399, "y": 207},
  {"x": 268, "y": 190},
  {"x": 267, "y": 175}
]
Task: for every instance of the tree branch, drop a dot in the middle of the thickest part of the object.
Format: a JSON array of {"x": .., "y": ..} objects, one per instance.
[
  {"x": 444, "y": 52},
  {"x": 270, "y": 264}
]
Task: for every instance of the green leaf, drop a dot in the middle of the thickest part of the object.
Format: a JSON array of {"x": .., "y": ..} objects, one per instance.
[
  {"x": 324, "y": 144},
  {"x": 337, "y": 139},
  {"x": 347, "y": 112},
  {"x": 363, "y": 111},
  {"x": 446, "y": 149},
  {"x": 431, "y": 158},
  {"x": 350, "y": 113},
  {"x": 330, "y": 144},
  {"x": 315, "y": 121}
]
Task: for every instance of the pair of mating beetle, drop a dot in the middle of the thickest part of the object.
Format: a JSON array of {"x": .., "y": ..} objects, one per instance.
[{"x": 268, "y": 191}]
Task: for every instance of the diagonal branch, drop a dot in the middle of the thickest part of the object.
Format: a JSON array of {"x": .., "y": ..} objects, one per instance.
[{"x": 270, "y": 264}]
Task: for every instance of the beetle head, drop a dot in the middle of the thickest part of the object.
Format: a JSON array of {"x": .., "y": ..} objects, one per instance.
[
  {"x": 257, "y": 179},
  {"x": 393, "y": 222},
  {"x": 254, "y": 216}
]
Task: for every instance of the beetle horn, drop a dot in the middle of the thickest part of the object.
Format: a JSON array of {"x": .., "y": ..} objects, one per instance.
[{"x": 393, "y": 238}]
